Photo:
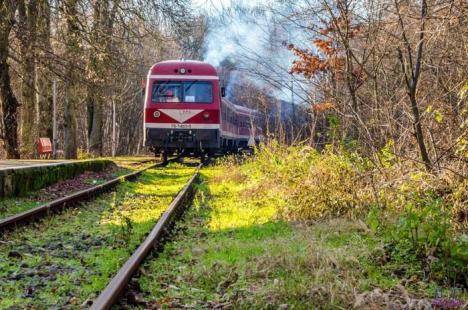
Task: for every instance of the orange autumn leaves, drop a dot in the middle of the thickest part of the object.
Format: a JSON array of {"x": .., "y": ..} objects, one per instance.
[
  {"x": 322, "y": 106},
  {"x": 327, "y": 57},
  {"x": 309, "y": 64}
]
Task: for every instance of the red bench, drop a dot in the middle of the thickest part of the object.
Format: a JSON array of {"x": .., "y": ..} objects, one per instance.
[{"x": 44, "y": 148}]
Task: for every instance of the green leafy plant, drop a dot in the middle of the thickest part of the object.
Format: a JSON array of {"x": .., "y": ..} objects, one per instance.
[{"x": 424, "y": 236}]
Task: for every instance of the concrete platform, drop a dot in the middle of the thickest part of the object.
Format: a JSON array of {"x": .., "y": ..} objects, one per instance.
[
  {"x": 17, "y": 163},
  {"x": 18, "y": 177}
]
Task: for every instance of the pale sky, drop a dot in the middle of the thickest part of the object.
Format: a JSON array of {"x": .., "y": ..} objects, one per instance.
[{"x": 216, "y": 6}]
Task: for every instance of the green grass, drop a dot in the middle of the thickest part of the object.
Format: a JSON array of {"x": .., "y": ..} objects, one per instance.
[
  {"x": 231, "y": 250},
  {"x": 67, "y": 258},
  {"x": 11, "y": 206},
  {"x": 234, "y": 250}
]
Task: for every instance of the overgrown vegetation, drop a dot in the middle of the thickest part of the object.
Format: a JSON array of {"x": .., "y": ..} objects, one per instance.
[
  {"x": 292, "y": 227},
  {"x": 420, "y": 217}
]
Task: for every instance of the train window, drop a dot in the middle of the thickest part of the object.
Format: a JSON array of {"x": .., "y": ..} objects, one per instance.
[
  {"x": 182, "y": 91},
  {"x": 167, "y": 92},
  {"x": 198, "y": 92}
]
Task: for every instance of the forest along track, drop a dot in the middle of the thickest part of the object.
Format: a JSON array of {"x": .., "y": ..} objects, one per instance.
[
  {"x": 11, "y": 222},
  {"x": 110, "y": 295},
  {"x": 64, "y": 261}
]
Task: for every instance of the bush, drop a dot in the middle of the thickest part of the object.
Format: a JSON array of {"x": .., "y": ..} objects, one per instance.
[
  {"x": 419, "y": 216},
  {"x": 312, "y": 185},
  {"x": 424, "y": 241}
]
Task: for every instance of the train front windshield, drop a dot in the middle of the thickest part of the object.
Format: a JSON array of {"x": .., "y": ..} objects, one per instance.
[{"x": 182, "y": 92}]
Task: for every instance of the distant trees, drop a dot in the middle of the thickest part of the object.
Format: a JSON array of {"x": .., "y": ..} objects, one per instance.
[
  {"x": 391, "y": 70},
  {"x": 97, "y": 52},
  {"x": 367, "y": 74}
]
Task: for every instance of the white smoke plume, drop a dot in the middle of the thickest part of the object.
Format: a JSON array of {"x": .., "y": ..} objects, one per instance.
[{"x": 249, "y": 34}]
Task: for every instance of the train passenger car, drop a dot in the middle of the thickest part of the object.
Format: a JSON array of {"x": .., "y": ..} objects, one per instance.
[
  {"x": 238, "y": 126},
  {"x": 185, "y": 111}
]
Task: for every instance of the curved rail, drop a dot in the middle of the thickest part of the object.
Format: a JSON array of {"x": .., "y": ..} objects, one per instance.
[
  {"x": 20, "y": 218},
  {"x": 111, "y": 293}
]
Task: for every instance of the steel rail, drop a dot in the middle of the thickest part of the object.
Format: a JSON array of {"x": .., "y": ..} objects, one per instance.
[
  {"x": 44, "y": 209},
  {"x": 114, "y": 288}
]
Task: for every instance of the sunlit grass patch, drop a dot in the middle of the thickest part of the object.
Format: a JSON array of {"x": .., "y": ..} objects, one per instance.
[
  {"x": 70, "y": 257},
  {"x": 234, "y": 251}
]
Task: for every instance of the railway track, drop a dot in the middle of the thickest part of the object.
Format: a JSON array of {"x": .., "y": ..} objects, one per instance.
[
  {"x": 110, "y": 295},
  {"x": 13, "y": 221},
  {"x": 56, "y": 249}
]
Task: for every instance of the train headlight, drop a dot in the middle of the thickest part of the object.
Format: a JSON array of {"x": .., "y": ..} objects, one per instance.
[
  {"x": 182, "y": 71},
  {"x": 156, "y": 114},
  {"x": 206, "y": 115}
]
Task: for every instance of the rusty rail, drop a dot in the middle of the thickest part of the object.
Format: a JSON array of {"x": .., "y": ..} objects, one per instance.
[
  {"x": 111, "y": 293},
  {"x": 20, "y": 218}
]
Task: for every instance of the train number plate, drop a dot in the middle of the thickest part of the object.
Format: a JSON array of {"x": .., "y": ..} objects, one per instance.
[{"x": 184, "y": 126}]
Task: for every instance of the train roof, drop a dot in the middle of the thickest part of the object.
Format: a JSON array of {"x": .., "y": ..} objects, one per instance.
[{"x": 192, "y": 67}]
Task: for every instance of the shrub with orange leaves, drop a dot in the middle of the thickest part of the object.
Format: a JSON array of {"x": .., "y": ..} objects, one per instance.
[
  {"x": 323, "y": 106},
  {"x": 328, "y": 57},
  {"x": 310, "y": 64},
  {"x": 325, "y": 46}
]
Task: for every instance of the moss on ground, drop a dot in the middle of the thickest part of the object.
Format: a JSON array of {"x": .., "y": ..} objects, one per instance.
[
  {"x": 233, "y": 251},
  {"x": 65, "y": 259}
]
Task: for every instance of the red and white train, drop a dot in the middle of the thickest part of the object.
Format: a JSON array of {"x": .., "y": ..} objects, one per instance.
[{"x": 185, "y": 112}]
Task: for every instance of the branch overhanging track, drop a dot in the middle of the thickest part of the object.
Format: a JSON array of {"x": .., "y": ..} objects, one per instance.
[
  {"x": 11, "y": 222},
  {"x": 110, "y": 295}
]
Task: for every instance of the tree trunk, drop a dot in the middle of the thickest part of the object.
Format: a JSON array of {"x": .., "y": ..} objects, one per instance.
[
  {"x": 8, "y": 100},
  {"x": 69, "y": 127},
  {"x": 29, "y": 110},
  {"x": 9, "y": 110},
  {"x": 418, "y": 130},
  {"x": 71, "y": 54},
  {"x": 95, "y": 129},
  {"x": 43, "y": 73},
  {"x": 411, "y": 74}
]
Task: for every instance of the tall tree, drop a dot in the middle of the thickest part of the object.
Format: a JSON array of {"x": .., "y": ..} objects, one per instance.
[
  {"x": 44, "y": 69},
  {"x": 99, "y": 60},
  {"x": 8, "y": 100},
  {"x": 72, "y": 52},
  {"x": 27, "y": 12},
  {"x": 411, "y": 63}
]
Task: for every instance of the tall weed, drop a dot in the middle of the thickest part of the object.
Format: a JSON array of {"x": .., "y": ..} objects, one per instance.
[
  {"x": 312, "y": 185},
  {"x": 337, "y": 182}
]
